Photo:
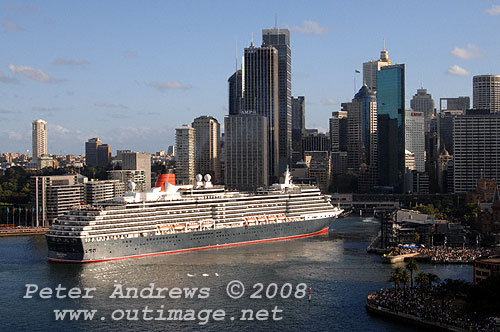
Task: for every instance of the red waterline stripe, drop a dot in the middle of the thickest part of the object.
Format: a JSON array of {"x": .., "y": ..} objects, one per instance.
[{"x": 324, "y": 230}]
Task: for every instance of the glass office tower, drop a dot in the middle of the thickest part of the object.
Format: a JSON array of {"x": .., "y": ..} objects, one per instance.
[{"x": 390, "y": 123}]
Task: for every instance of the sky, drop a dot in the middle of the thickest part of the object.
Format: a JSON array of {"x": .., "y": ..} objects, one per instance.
[{"x": 130, "y": 72}]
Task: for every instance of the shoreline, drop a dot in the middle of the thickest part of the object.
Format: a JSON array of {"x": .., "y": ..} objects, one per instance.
[
  {"x": 24, "y": 231},
  {"x": 406, "y": 318}
]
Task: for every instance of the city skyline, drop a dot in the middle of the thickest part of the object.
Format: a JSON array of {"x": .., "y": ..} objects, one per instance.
[{"x": 116, "y": 77}]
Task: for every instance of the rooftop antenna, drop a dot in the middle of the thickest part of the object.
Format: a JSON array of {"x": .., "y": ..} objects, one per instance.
[
  {"x": 251, "y": 40},
  {"x": 275, "y": 21},
  {"x": 422, "y": 82},
  {"x": 236, "y": 54}
]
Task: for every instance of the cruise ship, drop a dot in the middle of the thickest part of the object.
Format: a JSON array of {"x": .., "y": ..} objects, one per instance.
[{"x": 174, "y": 219}]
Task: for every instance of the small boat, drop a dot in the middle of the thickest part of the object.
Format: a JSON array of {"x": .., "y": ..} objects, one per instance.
[
  {"x": 281, "y": 217},
  {"x": 194, "y": 225},
  {"x": 179, "y": 227},
  {"x": 207, "y": 224},
  {"x": 163, "y": 227}
]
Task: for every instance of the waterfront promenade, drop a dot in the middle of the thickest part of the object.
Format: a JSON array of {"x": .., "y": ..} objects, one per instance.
[
  {"x": 446, "y": 255},
  {"x": 423, "y": 308},
  {"x": 22, "y": 231}
]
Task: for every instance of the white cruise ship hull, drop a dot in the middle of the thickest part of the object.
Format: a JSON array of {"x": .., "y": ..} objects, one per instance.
[{"x": 79, "y": 252}]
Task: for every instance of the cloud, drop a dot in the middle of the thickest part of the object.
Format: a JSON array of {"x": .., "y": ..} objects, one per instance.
[
  {"x": 328, "y": 101},
  {"x": 470, "y": 52},
  {"x": 58, "y": 129},
  {"x": 7, "y": 79},
  {"x": 494, "y": 10},
  {"x": 458, "y": 71},
  {"x": 25, "y": 9},
  {"x": 4, "y": 111},
  {"x": 11, "y": 25},
  {"x": 32, "y": 73},
  {"x": 309, "y": 28},
  {"x": 109, "y": 105},
  {"x": 170, "y": 85},
  {"x": 15, "y": 135},
  {"x": 70, "y": 62}
]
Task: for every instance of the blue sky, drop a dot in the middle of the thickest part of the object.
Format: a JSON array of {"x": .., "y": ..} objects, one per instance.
[{"x": 131, "y": 71}]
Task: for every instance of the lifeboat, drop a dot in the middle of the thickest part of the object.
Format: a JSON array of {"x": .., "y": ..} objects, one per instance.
[
  {"x": 194, "y": 225},
  {"x": 261, "y": 219},
  {"x": 207, "y": 224},
  {"x": 281, "y": 217},
  {"x": 179, "y": 227},
  {"x": 163, "y": 227}
]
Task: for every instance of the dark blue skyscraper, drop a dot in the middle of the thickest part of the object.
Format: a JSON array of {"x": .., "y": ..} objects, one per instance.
[
  {"x": 390, "y": 126},
  {"x": 280, "y": 39}
]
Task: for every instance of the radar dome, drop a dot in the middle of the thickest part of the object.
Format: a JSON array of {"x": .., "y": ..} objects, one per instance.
[
  {"x": 132, "y": 185},
  {"x": 199, "y": 177},
  {"x": 208, "y": 177}
]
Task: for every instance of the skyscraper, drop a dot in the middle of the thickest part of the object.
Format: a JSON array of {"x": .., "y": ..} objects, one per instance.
[
  {"x": 39, "y": 139},
  {"x": 371, "y": 68},
  {"x": 476, "y": 154},
  {"x": 415, "y": 137},
  {"x": 246, "y": 151},
  {"x": 422, "y": 102},
  {"x": 91, "y": 154},
  {"x": 298, "y": 121},
  {"x": 184, "y": 154},
  {"x": 280, "y": 39},
  {"x": 103, "y": 155},
  {"x": 390, "y": 126},
  {"x": 207, "y": 154},
  {"x": 260, "y": 95},
  {"x": 486, "y": 92},
  {"x": 235, "y": 89},
  {"x": 338, "y": 131},
  {"x": 454, "y": 104},
  {"x": 140, "y": 161}
]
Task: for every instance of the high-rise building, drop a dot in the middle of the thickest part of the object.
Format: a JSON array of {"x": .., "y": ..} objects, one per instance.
[
  {"x": 486, "y": 92},
  {"x": 371, "y": 68},
  {"x": 39, "y": 139},
  {"x": 454, "y": 104},
  {"x": 100, "y": 191},
  {"x": 138, "y": 161},
  {"x": 52, "y": 196},
  {"x": 319, "y": 168},
  {"x": 362, "y": 129},
  {"x": 103, "y": 155},
  {"x": 235, "y": 89},
  {"x": 185, "y": 168},
  {"x": 246, "y": 151},
  {"x": 390, "y": 127},
  {"x": 138, "y": 177},
  {"x": 260, "y": 96},
  {"x": 445, "y": 129},
  {"x": 91, "y": 155},
  {"x": 298, "y": 121},
  {"x": 422, "y": 102},
  {"x": 476, "y": 153},
  {"x": 207, "y": 154},
  {"x": 338, "y": 131},
  {"x": 415, "y": 137},
  {"x": 280, "y": 39},
  {"x": 315, "y": 142}
]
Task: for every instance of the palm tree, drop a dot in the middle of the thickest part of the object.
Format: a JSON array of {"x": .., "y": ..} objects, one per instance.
[
  {"x": 396, "y": 277},
  {"x": 432, "y": 278},
  {"x": 422, "y": 279},
  {"x": 405, "y": 277},
  {"x": 411, "y": 266}
]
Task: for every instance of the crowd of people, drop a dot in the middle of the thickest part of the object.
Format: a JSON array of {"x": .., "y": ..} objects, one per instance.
[
  {"x": 427, "y": 306},
  {"x": 448, "y": 255}
]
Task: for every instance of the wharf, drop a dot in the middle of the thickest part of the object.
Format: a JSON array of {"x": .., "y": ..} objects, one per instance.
[{"x": 23, "y": 231}]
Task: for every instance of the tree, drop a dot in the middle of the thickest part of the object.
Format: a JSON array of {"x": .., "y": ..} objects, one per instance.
[
  {"x": 432, "y": 278},
  {"x": 404, "y": 278},
  {"x": 396, "y": 277},
  {"x": 411, "y": 266},
  {"x": 422, "y": 280}
]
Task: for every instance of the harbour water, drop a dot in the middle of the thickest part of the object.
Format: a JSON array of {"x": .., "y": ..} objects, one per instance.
[{"x": 336, "y": 267}]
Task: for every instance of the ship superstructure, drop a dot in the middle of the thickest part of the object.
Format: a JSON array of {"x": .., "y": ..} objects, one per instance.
[{"x": 181, "y": 218}]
